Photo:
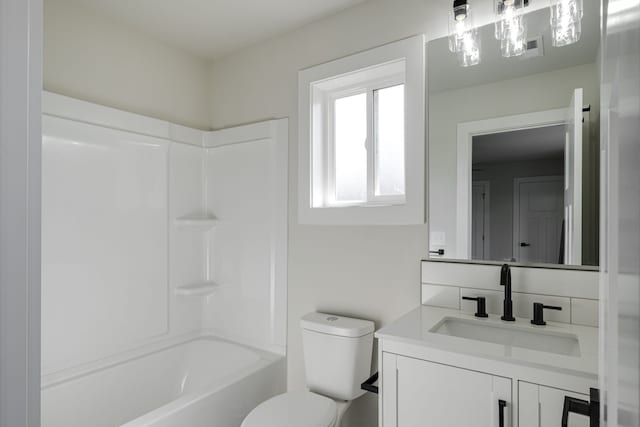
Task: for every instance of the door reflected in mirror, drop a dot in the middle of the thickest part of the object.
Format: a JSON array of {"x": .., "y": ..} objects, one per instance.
[{"x": 514, "y": 150}]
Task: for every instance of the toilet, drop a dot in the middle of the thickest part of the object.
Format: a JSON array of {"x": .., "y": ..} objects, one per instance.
[{"x": 337, "y": 358}]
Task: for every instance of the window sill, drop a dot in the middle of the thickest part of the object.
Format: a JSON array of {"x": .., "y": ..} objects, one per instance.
[
  {"x": 387, "y": 203},
  {"x": 385, "y": 213}
]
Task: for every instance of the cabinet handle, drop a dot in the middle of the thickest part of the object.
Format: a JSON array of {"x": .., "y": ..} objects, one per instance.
[
  {"x": 578, "y": 406},
  {"x": 501, "y": 405}
]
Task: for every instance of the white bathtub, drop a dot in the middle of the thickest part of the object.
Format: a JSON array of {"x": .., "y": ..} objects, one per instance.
[{"x": 202, "y": 382}]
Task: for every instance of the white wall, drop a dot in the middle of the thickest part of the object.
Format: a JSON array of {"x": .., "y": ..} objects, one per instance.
[
  {"x": 537, "y": 92},
  {"x": 89, "y": 57},
  {"x": 364, "y": 271}
]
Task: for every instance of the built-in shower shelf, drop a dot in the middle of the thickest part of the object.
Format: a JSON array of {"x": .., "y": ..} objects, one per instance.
[
  {"x": 197, "y": 289},
  {"x": 203, "y": 223}
]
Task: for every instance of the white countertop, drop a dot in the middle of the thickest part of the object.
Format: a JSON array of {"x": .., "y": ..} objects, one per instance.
[{"x": 414, "y": 327}]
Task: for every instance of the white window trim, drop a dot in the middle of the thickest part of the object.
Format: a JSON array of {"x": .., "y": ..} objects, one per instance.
[{"x": 380, "y": 209}]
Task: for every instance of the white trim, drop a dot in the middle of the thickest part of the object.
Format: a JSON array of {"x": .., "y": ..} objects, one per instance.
[
  {"x": 516, "y": 208},
  {"x": 486, "y": 244},
  {"x": 412, "y": 51},
  {"x": 20, "y": 189},
  {"x": 66, "y": 107},
  {"x": 573, "y": 246},
  {"x": 244, "y": 133},
  {"x": 466, "y": 132}
]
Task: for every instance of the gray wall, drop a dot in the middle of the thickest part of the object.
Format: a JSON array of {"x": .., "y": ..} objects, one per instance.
[{"x": 500, "y": 177}]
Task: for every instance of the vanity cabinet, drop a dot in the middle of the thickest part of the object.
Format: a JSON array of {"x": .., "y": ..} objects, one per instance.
[
  {"x": 433, "y": 379},
  {"x": 542, "y": 406},
  {"x": 419, "y": 393}
]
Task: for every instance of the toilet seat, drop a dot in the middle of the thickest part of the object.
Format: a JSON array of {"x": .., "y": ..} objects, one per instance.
[{"x": 294, "y": 409}]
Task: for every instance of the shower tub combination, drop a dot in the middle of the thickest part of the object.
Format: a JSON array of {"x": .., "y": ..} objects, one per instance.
[{"x": 199, "y": 382}]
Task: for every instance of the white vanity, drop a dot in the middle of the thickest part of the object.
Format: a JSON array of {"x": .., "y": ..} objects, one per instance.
[{"x": 443, "y": 367}]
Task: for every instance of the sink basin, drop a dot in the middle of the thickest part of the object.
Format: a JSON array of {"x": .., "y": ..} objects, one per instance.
[{"x": 509, "y": 335}]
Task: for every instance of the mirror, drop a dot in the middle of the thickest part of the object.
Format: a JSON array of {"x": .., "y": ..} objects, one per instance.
[{"x": 514, "y": 149}]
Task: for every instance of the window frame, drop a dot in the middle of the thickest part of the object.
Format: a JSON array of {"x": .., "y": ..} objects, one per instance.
[
  {"x": 368, "y": 88},
  {"x": 401, "y": 62}
]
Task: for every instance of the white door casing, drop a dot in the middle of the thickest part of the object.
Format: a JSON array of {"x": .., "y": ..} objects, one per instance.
[
  {"x": 481, "y": 220},
  {"x": 573, "y": 180},
  {"x": 20, "y": 141}
]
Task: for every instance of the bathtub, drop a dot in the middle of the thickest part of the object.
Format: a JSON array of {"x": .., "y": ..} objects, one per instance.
[{"x": 200, "y": 382}]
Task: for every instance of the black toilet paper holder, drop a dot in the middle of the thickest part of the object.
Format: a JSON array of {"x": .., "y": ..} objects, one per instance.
[{"x": 368, "y": 384}]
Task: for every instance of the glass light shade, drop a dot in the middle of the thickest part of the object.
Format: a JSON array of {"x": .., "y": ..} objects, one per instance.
[
  {"x": 470, "y": 47},
  {"x": 460, "y": 23},
  {"x": 511, "y": 27},
  {"x": 514, "y": 42},
  {"x": 464, "y": 38},
  {"x": 566, "y": 21}
]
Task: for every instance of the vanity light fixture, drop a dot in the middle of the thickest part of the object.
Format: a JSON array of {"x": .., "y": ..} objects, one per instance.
[
  {"x": 464, "y": 39},
  {"x": 511, "y": 27},
  {"x": 566, "y": 21}
]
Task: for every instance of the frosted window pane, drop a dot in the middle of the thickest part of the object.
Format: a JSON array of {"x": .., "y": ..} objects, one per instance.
[
  {"x": 389, "y": 105},
  {"x": 350, "y": 150}
]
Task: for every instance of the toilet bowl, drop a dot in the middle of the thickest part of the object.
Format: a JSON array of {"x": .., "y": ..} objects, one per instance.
[{"x": 337, "y": 354}]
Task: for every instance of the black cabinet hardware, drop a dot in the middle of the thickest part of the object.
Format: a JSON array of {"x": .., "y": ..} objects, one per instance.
[
  {"x": 501, "y": 405},
  {"x": 438, "y": 252},
  {"x": 481, "y": 310},
  {"x": 589, "y": 409},
  {"x": 524, "y": 244},
  {"x": 538, "y": 313},
  {"x": 368, "y": 384}
]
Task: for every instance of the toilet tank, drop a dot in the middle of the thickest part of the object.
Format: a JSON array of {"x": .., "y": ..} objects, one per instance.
[{"x": 337, "y": 354}]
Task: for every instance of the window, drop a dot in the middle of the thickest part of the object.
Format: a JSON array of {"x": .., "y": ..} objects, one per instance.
[
  {"x": 364, "y": 147},
  {"x": 362, "y": 138}
]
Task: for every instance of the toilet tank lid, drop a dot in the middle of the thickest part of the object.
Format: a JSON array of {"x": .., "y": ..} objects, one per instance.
[{"x": 336, "y": 325}]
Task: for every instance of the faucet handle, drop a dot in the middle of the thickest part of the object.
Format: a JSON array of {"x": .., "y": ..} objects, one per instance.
[
  {"x": 538, "y": 313},
  {"x": 482, "y": 305},
  {"x": 505, "y": 275}
]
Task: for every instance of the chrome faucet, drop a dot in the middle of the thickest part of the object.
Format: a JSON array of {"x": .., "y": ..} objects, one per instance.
[{"x": 505, "y": 280}]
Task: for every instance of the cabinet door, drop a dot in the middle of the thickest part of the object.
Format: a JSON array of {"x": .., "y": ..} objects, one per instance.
[
  {"x": 552, "y": 403},
  {"x": 541, "y": 406},
  {"x": 435, "y": 395}
]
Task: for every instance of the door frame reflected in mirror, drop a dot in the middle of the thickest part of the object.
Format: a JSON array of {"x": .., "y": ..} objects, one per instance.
[{"x": 465, "y": 133}]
